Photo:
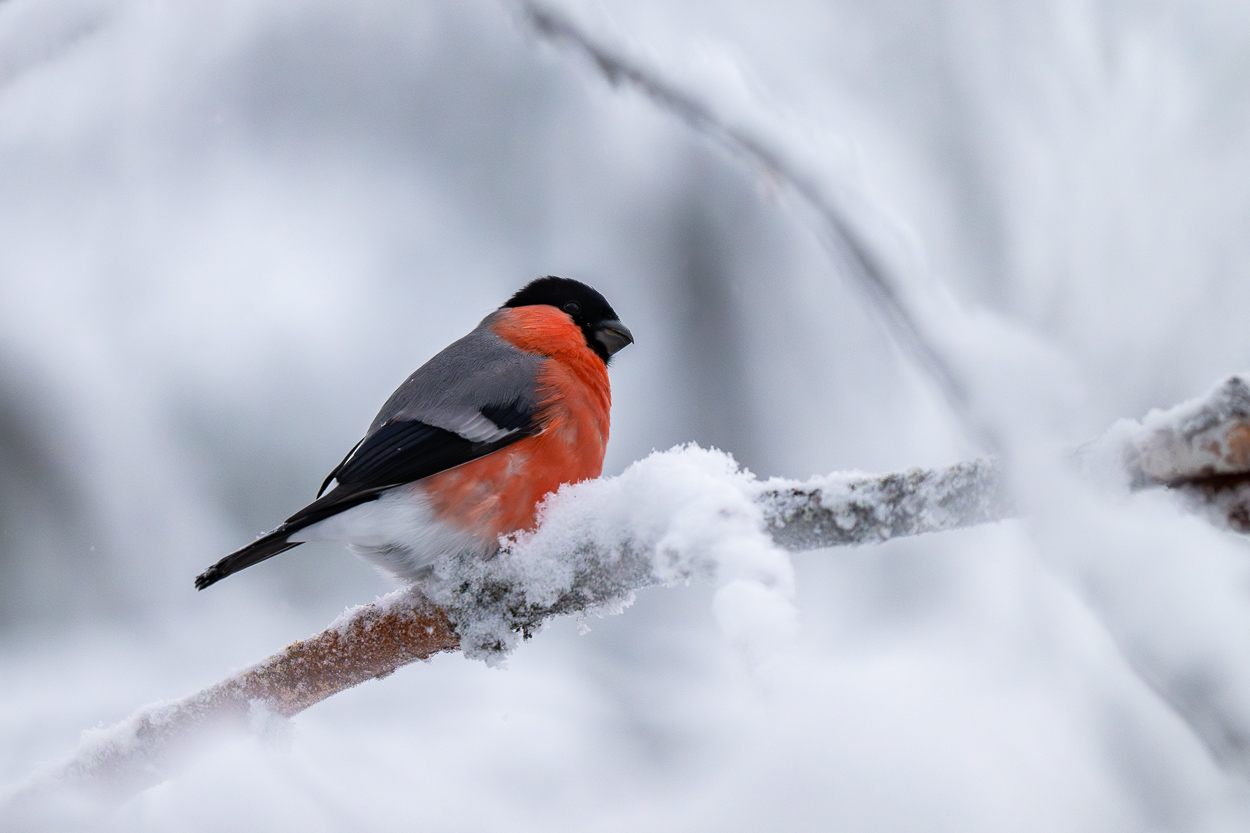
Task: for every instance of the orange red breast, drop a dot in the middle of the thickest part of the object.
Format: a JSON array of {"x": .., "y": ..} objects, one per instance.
[{"x": 500, "y": 493}]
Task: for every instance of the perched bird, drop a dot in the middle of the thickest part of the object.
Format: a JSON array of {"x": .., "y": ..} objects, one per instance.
[{"x": 471, "y": 442}]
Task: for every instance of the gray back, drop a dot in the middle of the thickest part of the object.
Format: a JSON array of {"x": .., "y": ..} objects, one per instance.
[{"x": 449, "y": 390}]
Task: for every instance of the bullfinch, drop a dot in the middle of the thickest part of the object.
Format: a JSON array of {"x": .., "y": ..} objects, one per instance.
[{"x": 467, "y": 447}]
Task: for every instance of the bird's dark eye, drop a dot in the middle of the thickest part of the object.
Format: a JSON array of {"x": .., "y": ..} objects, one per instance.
[{"x": 572, "y": 308}]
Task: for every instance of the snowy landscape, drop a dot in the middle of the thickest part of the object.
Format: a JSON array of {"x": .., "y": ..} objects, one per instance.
[{"x": 230, "y": 229}]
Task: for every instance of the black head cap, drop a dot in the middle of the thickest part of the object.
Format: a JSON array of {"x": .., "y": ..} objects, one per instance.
[{"x": 604, "y": 332}]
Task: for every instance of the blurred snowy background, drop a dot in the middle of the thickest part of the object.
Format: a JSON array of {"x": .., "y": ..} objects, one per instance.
[{"x": 229, "y": 229}]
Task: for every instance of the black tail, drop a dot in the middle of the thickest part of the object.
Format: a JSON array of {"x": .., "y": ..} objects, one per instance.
[
  {"x": 266, "y": 546},
  {"x": 269, "y": 545},
  {"x": 341, "y": 498}
]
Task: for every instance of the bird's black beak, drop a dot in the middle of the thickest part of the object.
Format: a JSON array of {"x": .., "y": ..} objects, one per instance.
[{"x": 613, "y": 335}]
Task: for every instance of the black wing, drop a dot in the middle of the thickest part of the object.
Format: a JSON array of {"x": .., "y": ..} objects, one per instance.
[
  {"x": 405, "y": 450},
  {"x": 399, "y": 452}
]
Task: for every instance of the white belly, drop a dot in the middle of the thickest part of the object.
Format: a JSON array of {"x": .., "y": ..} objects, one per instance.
[{"x": 398, "y": 533}]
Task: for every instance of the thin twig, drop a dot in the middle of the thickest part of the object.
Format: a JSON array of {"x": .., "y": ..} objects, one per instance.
[{"x": 837, "y": 232}]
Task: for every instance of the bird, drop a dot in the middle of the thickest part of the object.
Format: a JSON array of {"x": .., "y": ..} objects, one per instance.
[{"x": 465, "y": 450}]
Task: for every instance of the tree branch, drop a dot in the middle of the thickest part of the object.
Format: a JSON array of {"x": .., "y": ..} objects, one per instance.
[
  {"x": 1201, "y": 447},
  {"x": 837, "y": 511},
  {"x": 366, "y": 642},
  {"x": 374, "y": 640}
]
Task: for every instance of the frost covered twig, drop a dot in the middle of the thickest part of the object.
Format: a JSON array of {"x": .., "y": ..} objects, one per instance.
[
  {"x": 837, "y": 232},
  {"x": 842, "y": 510}
]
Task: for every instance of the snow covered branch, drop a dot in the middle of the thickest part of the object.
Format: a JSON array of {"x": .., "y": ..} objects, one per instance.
[
  {"x": 676, "y": 515},
  {"x": 365, "y": 643},
  {"x": 1200, "y": 448},
  {"x": 684, "y": 513},
  {"x": 840, "y": 509}
]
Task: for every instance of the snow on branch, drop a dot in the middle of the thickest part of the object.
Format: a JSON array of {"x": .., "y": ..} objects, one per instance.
[
  {"x": 841, "y": 509},
  {"x": 688, "y": 512},
  {"x": 684, "y": 513},
  {"x": 1200, "y": 448}
]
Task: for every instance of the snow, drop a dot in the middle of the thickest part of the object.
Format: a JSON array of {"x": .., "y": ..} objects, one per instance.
[
  {"x": 1177, "y": 443},
  {"x": 670, "y": 517},
  {"x": 231, "y": 229}
]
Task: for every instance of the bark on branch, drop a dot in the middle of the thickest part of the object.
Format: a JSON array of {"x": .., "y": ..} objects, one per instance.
[{"x": 870, "y": 509}]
